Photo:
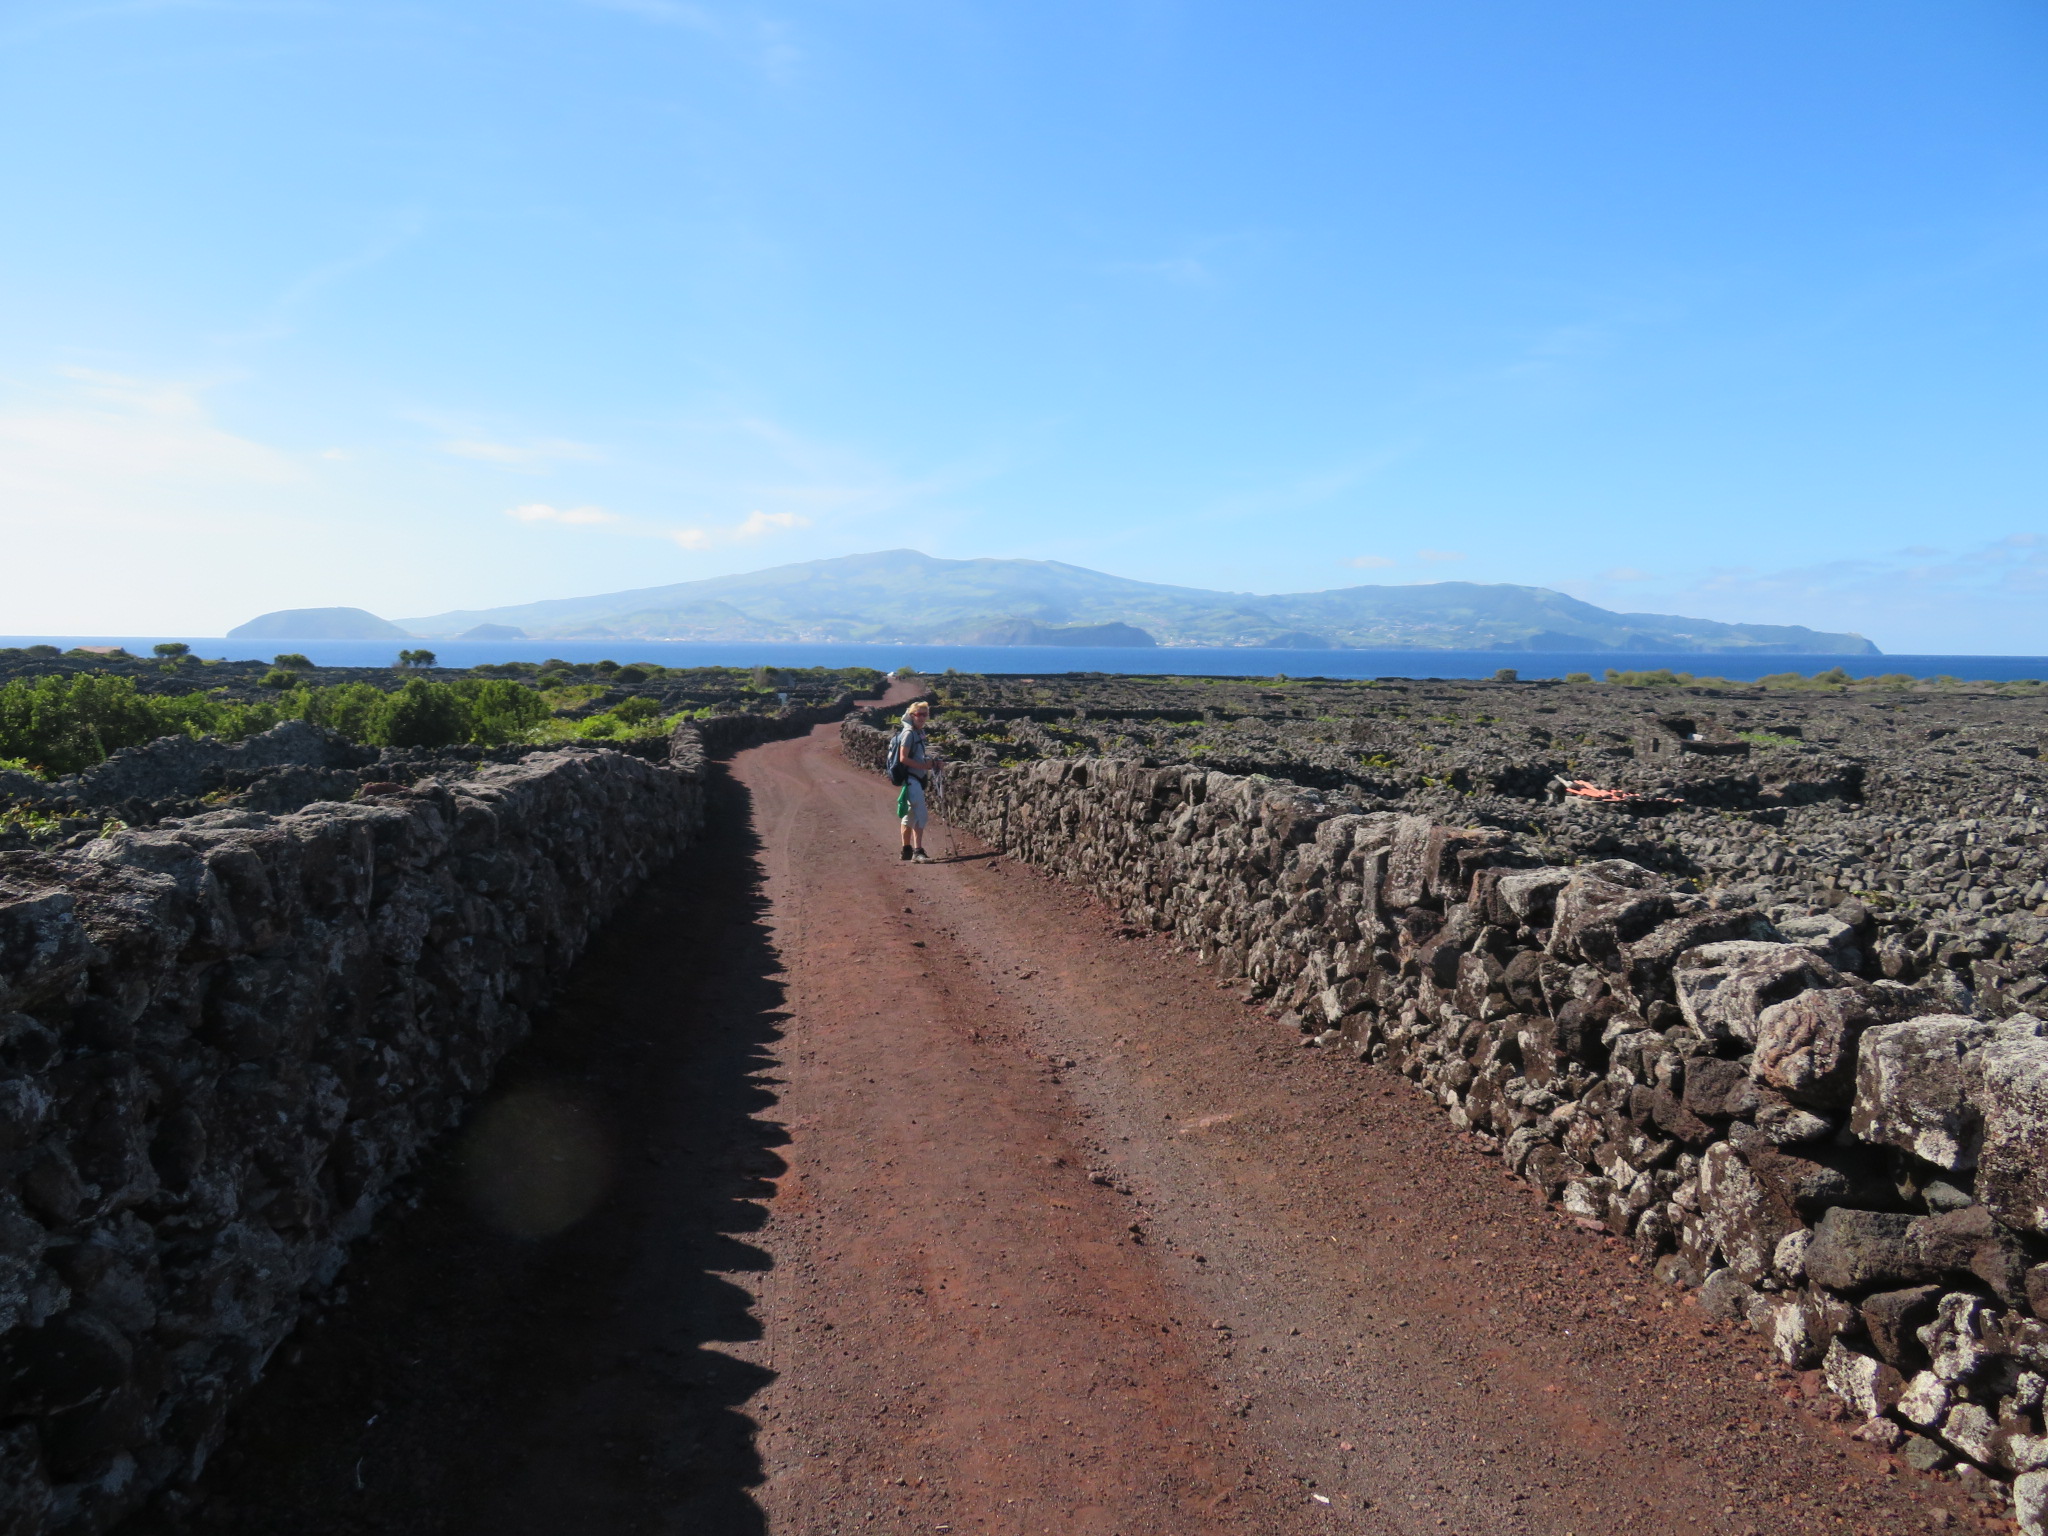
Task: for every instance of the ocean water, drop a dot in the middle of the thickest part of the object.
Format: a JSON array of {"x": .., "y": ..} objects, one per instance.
[{"x": 1035, "y": 660}]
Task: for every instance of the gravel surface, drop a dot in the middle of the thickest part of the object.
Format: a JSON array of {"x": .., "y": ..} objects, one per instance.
[
  {"x": 941, "y": 1200},
  {"x": 1923, "y": 801}
]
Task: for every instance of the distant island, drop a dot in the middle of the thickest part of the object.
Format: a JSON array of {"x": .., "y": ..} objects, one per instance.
[
  {"x": 903, "y": 597},
  {"x": 319, "y": 624},
  {"x": 1031, "y": 632}
]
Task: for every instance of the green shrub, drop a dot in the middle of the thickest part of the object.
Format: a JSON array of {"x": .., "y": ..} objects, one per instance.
[
  {"x": 636, "y": 711},
  {"x": 1834, "y": 677},
  {"x": 569, "y": 695},
  {"x": 500, "y": 712},
  {"x": 36, "y": 824},
  {"x": 1578, "y": 677},
  {"x": 420, "y": 715},
  {"x": 346, "y": 708},
  {"x": 1663, "y": 677},
  {"x": 633, "y": 718},
  {"x": 62, "y": 725},
  {"x": 59, "y": 725},
  {"x": 170, "y": 648},
  {"x": 292, "y": 659}
]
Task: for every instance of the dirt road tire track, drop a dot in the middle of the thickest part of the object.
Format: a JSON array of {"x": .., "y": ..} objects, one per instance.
[{"x": 943, "y": 1201}]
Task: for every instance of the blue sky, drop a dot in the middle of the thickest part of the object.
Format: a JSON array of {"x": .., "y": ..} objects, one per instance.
[{"x": 1734, "y": 309}]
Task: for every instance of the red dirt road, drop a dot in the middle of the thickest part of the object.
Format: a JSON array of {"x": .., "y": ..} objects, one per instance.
[
  {"x": 1072, "y": 1242},
  {"x": 942, "y": 1203}
]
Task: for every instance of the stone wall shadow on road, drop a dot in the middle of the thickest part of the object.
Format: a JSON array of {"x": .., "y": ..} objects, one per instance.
[{"x": 472, "y": 1379}]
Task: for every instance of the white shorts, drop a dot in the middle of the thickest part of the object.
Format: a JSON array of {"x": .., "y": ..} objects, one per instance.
[{"x": 913, "y": 798}]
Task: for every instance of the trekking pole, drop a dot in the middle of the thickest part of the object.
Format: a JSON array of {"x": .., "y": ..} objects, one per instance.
[{"x": 945, "y": 810}]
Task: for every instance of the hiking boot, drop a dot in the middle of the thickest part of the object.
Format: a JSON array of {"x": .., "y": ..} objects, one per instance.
[
  {"x": 906, "y": 853},
  {"x": 920, "y": 857}
]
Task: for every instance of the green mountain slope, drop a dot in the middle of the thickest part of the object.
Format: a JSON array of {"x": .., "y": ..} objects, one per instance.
[{"x": 903, "y": 596}]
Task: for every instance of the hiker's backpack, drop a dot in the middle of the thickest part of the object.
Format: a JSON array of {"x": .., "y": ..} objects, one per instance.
[{"x": 898, "y": 774}]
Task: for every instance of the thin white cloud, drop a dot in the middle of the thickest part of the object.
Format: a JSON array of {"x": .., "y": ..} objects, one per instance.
[
  {"x": 541, "y": 512},
  {"x": 97, "y": 429},
  {"x": 1989, "y": 599},
  {"x": 1439, "y": 556},
  {"x": 536, "y": 456},
  {"x": 1371, "y": 562},
  {"x": 174, "y": 512},
  {"x": 756, "y": 462},
  {"x": 390, "y": 234},
  {"x": 757, "y": 523},
  {"x": 754, "y": 525},
  {"x": 699, "y": 470}
]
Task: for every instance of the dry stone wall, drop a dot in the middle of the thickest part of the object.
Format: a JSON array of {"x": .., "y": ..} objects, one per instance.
[
  {"x": 221, "y": 1042},
  {"x": 1855, "y": 1166}
]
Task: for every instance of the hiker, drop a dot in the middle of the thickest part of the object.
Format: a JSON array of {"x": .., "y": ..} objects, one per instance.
[{"x": 911, "y": 764}]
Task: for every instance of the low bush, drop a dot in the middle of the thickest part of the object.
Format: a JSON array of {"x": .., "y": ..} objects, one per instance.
[
  {"x": 61, "y": 724},
  {"x": 65, "y": 724},
  {"x": 420, "y": 715}
]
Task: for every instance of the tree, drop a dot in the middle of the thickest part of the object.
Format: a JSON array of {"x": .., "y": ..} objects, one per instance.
[
  {"x": 292, "y": 659},
  {"x": 170, "y": 650},
  {"x": 61, "y": 725},
  {"x": 421, "y": 714},
  {"x": 637, "y": 710},
  {"x": 347, "y": 708},
  {"x": 500, "y": 711},
  {"x": 415, "y": 658}
]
